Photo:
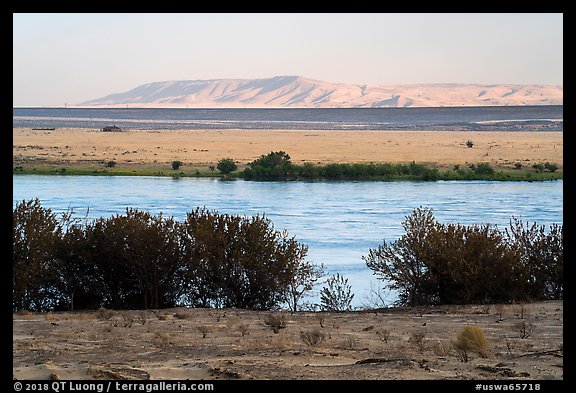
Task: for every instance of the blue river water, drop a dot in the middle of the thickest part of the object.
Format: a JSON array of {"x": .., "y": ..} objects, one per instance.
[{"x": 339, "y": 221}]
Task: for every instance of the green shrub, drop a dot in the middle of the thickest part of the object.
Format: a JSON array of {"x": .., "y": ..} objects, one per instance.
[
  {"x": 176, "y": 165},
  {"x": 550, "y": 167},
  {"x": 139, "y": 260},
  {"x": 35, "y": 234},
  {"x": 226, "y": 165},
  {"x": 401, "y": 263},
  {"x": 484, "y": 169},
  {"x": 434, "y": 263}
]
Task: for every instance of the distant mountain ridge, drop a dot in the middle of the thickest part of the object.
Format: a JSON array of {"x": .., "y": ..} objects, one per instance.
[{"x": 300, "y": 92}]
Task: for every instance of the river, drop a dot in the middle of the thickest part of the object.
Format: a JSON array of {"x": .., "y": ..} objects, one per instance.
[{"x": 339, "y": 221}]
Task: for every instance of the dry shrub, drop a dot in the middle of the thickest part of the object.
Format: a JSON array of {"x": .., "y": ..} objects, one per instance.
[
  {"x": 350, "y": 343},
  {"x": 162, "y": 317},
  {"x": 243, "y": 329},
  {"x": 471, "y": 339},
  {"x": 140, "y": 318},
  {"x": 204, "y": 330},
  {"x": 417, "y": 338},
  {"x": 182, "y": 315},
  {"x": 500, "y": 310},
  {"x": 161, "y": 340},
  {"x": 28, "y": 345},
  {"x": 383, "y": 335},
  {"x": 442, "y": 348},
  {"x": 524, "y": 329},
  {"x": 522, "y": 310},
  {"x": 50, "y": 316},
  {"x": 312, "y": 337},
  {"x": 104, "y": 314},
  {"x": 275, "y": 321},
  {"x": 128, "y": 319}
]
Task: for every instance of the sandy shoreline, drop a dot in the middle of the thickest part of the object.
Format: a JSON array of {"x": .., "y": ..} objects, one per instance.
[
  {"x": 206, "y": 147},
  {"x": 237, "y": 344}
]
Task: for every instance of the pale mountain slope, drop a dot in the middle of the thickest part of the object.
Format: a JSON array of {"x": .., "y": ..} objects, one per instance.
[{"x": 299, "y": 92}]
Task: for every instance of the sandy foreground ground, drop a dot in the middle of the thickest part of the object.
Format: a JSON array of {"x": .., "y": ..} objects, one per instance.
[
  {"x": 525, "y": 342},
  {"x": 206, "y": 147}
]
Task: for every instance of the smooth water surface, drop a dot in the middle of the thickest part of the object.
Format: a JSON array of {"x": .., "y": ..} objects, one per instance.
[
  {"x": 485, "y": 118},
  {"x": 339, "y": 221}
]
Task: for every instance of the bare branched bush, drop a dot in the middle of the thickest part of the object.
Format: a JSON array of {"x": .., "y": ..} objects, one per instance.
[
  {"x": 182, "y": 315},
  {"x": 522, "y": 310},
  {"x": 162, "y": 316},
  {"x": 509, "y": 346},
  {"x": 140, "y": 318},
  {"x": 312, "y": 337},
  {"x": 383, "y": 335},
  {"x": 417, "y": 338},
  {"x": 442, "y": 348},
  {"x": 127, "y": 319},
  {"x": 500, "y": 312},
  {"x": 50, "y": 316},
  {"x": 524, "y": 328},
  {"x": 336, "y": 295},
  {"x": 104, "y": 314},
  {"x": 275, "y": 321},
  {"x": 204, "y": 330},
  {"x": 161, "y": 340},
  {"x": 350, "y": 343},
  {"x": 243, "y": 329}
]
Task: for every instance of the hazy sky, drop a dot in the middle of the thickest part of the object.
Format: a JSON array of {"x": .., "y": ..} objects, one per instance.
[{"x": 72, "y": 58}]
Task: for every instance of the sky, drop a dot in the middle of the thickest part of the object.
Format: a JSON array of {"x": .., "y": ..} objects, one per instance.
[{"x": 69, "y": 58}]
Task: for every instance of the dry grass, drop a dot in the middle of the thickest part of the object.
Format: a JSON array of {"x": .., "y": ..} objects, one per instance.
[
  {"x": 204, "y": 147},
  {"x": 397, "y": 347},
  {"x": 471, "y": 339}
]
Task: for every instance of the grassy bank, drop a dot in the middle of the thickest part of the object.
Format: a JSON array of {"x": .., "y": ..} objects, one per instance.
[{"x": 306, "y": 171}]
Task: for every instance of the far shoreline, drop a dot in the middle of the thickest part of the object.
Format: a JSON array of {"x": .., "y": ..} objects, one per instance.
[{"x": 77, "y": 151}]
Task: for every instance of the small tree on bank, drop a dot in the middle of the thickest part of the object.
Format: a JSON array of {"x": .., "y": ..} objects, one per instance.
[
  {"x": 176, "y": 165},
  {"x": 226, "y": 166},
  {"x": 337, "y": 295}
]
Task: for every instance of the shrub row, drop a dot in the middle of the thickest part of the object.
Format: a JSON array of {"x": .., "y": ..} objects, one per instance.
[
  {"x": 434, "y": 263},
  {"x": 139, "y": 260},
  {"x": 278, "y": 166}
]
